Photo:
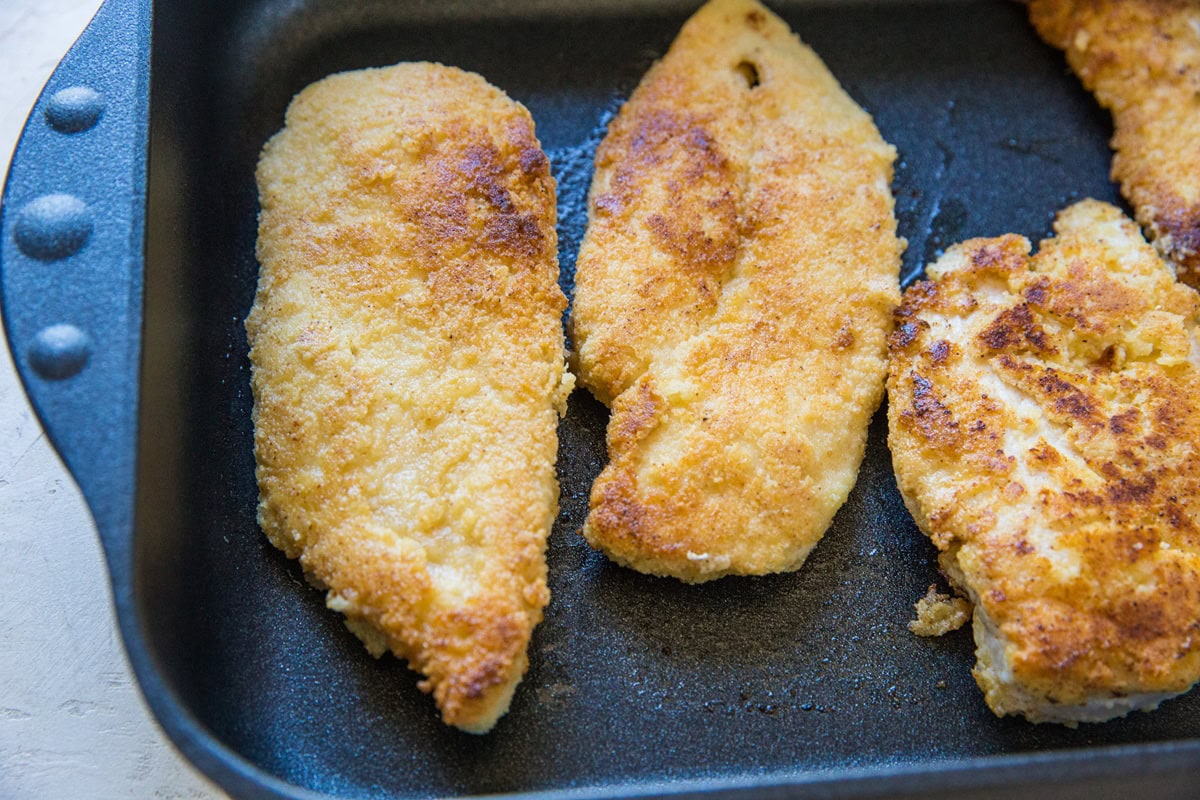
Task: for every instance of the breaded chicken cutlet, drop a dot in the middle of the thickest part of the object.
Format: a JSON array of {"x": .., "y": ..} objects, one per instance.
[
  {"x": 408, "y": 369},
  {"x": 1141, "y": 58},
  {"x": 734, "y": 293},
  {"x": 1044, "y": 416}
]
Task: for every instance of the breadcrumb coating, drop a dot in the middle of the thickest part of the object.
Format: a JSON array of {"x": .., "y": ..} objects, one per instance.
[
  {"x": 1141, "y": 58},
  {"x": 734, "y": 293},
  {"x": 408, "y": 369},
  {"x": 1044, "y": 421}
]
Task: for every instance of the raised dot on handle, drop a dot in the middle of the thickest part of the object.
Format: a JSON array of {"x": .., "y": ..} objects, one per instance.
[
  {"x": 59, "y": 351},
  {"x": 53, "y": 226},
  {"x": 74, "y": 109}
]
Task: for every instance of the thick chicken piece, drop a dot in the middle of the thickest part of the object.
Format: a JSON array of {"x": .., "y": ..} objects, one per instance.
[
  {"x": 1142, "y": 60},
  {"x": 408, "y": 369},
  {"x": 1044, "y": 420},
  {"x": 733, "y": 298}
]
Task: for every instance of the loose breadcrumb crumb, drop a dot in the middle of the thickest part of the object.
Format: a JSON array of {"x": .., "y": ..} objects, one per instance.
[{"x": 938, "y": 614}]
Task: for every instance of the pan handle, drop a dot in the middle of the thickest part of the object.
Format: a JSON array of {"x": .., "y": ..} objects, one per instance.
[{"x": 71, "y": 257}]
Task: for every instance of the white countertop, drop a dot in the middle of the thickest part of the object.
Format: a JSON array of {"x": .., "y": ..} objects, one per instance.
[{"x": 72, "y": 723}]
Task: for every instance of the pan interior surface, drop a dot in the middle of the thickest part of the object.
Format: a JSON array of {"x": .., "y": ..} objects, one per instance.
[{"x": 633, "y": 680}]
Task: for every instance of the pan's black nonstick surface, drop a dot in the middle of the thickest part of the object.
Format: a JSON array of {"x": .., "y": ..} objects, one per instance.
[{"x": 633, "y": 679}]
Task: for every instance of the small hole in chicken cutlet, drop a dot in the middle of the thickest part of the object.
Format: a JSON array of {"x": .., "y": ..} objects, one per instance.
[{"x": 749, "y": 73}]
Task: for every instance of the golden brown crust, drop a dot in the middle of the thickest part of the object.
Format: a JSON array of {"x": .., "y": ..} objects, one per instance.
[
  {"x": 408, "y": 369},
  {"x": 1142, "y": 60},
  {"x": 1044, "y": 420},
  {"x": 733, "y": 297}
]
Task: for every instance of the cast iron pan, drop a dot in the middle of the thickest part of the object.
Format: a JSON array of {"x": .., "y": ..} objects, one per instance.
[{"x": 801, "y": 685}]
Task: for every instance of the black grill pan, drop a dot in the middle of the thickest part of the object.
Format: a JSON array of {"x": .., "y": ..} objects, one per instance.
[{"x": 801, "y": 685}]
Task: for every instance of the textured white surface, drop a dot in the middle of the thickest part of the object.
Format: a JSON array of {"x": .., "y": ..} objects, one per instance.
[{"x": 72, "y": 723}]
